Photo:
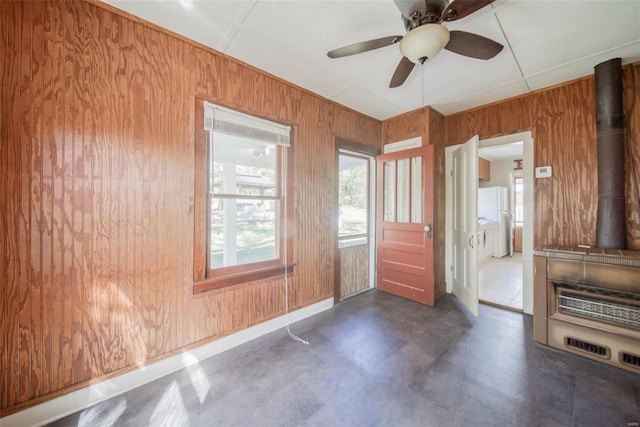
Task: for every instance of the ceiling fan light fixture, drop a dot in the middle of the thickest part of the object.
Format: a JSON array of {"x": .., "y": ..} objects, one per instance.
[{"x": 424, "y": 42}]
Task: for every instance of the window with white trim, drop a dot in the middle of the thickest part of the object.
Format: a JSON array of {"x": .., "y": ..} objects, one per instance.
[{"x": 246, "y": 187}]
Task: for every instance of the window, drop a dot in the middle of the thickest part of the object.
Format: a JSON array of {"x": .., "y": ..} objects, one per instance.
[
  {"x": 403, "y": 193},
  {"x": 246, "y": 163},
  {"x": 518, "y": 200},
  {"x": 353, "y": 217}
]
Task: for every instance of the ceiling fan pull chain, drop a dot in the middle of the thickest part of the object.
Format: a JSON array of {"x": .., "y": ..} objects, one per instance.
[{"x": 422, "y": 93}]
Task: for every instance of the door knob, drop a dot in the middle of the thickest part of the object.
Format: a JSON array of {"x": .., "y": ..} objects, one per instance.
[{"x": 427, "y": 231}]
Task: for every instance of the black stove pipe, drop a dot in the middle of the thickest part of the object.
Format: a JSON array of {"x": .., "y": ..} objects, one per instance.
[{"x": 611, "y": 221}]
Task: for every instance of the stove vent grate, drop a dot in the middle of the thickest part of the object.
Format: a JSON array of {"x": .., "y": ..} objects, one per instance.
[
  {"x": 587, "y": 347},
  {"x": 630, "y": 359},
  {"x": 599, "y": 308}
]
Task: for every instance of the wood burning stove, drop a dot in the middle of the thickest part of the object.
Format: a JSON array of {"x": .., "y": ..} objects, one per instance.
[{"x": 587, "y": 302}]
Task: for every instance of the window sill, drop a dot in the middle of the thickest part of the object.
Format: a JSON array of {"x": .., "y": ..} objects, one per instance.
[{"x": 213, "y": 283}]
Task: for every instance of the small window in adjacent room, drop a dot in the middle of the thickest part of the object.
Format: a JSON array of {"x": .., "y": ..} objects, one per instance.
[
  {"x": 244, "y": 198},
  {"x": 518, "y": 202}
]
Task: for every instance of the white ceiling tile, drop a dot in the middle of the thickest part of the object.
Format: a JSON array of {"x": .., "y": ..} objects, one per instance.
[
  {"x": 545, "y": 34},
  {"x": 488, "y": 96},
  {"x": 209, "y": 23},
  {"x": 359, "y": 100},
  {"x": 583, "y": 67},
  {"x": 294, "y": 38}
]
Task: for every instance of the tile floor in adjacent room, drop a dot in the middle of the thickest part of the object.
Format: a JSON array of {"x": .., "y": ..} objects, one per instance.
[
  {"x": 500, "y": 280},
  {"x": 381, "y": 360}
]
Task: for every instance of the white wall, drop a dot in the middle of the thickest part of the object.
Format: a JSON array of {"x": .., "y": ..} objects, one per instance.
[{"x": 499, "y": 174}]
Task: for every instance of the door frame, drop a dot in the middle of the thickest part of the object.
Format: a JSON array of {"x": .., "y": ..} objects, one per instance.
[
  {"x": 529, "y": 220},
  {"x": 371, "y": 152}
]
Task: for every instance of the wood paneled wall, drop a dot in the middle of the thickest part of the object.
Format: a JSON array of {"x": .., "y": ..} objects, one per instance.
[
  {"x": 437, "y": 137},
  {"x": 502, "y": 118},
  {"x": 562, "y": 121},
  {"x": 96, "y": 193},
  {"x": 631, "y": 99},
  {"x": 354, "y": 269}
]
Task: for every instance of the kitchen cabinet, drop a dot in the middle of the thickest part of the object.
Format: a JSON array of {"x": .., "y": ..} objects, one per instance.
[
  {"x": 486, "y": 240},
  {"x": 517, "y": 244},
  {"x": 484, "y": 169}
]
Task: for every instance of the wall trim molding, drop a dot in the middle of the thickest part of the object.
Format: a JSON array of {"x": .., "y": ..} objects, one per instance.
[
  {"x": 405, "y": 144},
  {"x": 78, "y": 400}
]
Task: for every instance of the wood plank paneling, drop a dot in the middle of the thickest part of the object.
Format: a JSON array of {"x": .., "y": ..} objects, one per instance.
[
  {"x": 409, "y": 125},
  {"x": 97, "y": 188},
  {"x": 4, "y": 168},
  {"x": 39, "y": 375},
  {"x": 437, "y": 137},
  {"x": 565, "y": 138},
  {"x": 502, "y": 118},
  {"x": 631, "y": 98},
  {"x": 12, "y": 13},
  {"x": 24, "y": 211}
]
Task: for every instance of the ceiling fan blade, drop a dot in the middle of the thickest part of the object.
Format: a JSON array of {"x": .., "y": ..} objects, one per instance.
[
  {"x": 472, "y": 45},
  {"x": 403, "y": 70},
  {"x": 360, "y": 47},
  {"x": 408, "y": 7},
  {"x": 460, "y": 8}
]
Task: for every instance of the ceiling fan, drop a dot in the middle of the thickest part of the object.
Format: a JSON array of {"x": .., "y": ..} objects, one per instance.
[{"x": 426, "y": 36}]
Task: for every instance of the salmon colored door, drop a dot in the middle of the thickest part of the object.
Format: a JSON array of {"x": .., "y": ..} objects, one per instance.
[{"x": 404, "y": 236}]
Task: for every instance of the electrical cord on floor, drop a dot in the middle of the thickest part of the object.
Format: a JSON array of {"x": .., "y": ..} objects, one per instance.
[
  {"x": 286, "y": 272},
  {"x": 286, "y": 298}
]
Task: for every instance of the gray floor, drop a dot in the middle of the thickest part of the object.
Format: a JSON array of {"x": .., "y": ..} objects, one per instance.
[{"x": 380, "y": 360}]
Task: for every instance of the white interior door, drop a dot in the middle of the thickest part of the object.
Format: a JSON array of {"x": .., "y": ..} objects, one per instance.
[{"x": 465, "y": 224}]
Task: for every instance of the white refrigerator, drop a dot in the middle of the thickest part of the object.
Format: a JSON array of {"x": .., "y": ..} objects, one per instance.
[{"x": 493, "y": 205}]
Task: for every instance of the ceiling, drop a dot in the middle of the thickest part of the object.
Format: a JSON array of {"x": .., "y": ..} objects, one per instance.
[
  {"x": 509, "y": 151},
  {"x": 546, "y": 43}
]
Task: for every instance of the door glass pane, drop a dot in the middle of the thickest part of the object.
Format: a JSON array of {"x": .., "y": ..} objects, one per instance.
[
  {"x": 404, "y": 184},
  {"x": 389, "y": 203},
  {"x": 417, "y": 193},
  {"x": 353, "y": 200}
]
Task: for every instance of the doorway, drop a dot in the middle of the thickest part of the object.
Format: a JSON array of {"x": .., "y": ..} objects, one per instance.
[
  {"x": 527, "y": 210},
  {"x": 500, "y": 221},
  {"x": 355, "y": 269}
]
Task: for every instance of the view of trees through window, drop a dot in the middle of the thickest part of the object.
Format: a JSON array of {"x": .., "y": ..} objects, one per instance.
[
  {"x": 245, "y": 202},
  {"x": 354, "y": 200}
]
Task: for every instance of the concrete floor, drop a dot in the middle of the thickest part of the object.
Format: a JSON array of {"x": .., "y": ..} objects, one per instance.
[{"x": 380, "y": 360}]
